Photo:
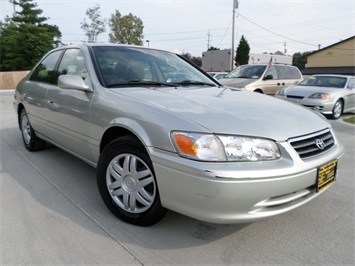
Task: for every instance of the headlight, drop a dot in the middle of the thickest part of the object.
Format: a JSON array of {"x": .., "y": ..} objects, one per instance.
[
  {"x": 209, "y": 147},
  {"x": 320, "y": 95}
]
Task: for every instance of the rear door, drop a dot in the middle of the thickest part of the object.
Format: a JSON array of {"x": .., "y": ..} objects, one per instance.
[
  {"x": 43, "y": 78},
  {"x": 288, "y": 76}
]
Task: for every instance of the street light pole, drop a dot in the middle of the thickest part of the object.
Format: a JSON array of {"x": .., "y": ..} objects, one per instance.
[{"x": 235, "y": 6}]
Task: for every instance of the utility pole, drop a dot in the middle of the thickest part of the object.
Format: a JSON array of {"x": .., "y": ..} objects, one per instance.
[
  {"x": 285, "y": 50},
  {"x": 208, "y": 40},
  {"x": 235, "y": 6}
]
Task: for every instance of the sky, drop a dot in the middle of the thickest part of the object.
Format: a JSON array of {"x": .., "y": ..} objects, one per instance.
[{"x": 190, "y": 26}]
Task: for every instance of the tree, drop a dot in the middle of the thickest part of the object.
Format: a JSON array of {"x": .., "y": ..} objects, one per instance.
[
  {"x": 194, "y": 59},
  {"x": 299, "y": 60},
  {"x": 25, "y": 38},
  {"x": 126, "y": 29},
  {"x": 212, "y": 48},
  {"x": 96, "y": 26},
  {"x": 242, "y": 53}
]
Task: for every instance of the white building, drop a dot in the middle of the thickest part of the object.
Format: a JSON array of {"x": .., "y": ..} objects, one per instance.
[
  {"x": 220, "y": 60},
  {"x": 277, "y": 58}
]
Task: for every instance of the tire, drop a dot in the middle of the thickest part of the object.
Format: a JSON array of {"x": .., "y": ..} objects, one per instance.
[
  {"x": 30, "y": 140},
  {"x": 337, "y": 109},
  {"x": 127, "y": 182}
]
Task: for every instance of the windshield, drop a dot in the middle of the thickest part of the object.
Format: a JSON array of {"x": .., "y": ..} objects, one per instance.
[
  {"x": 247, "y": 71},
  {"x": 324, "y": 81},
  {"x": 120, "y": 66}
]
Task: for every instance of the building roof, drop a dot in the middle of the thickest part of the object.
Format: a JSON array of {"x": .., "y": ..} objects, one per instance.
[{"x": 334, "y": 44}]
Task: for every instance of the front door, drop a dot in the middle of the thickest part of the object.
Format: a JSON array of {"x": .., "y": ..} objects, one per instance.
[{"x": 68, "y": 109}]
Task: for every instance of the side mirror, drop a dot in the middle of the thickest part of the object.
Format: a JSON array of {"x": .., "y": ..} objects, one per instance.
[
  {"x": 72, "y": 82},
  {"x": 352, "y": 87},
  {"x": 268, "y": 77}
]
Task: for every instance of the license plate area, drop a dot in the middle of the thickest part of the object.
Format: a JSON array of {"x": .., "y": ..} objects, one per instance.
[{"x": 326, "y": 175}]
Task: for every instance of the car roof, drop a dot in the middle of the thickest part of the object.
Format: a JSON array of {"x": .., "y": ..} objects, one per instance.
[
  {"x": 332, "y": 75},
  {"x": 82, "y": 45},
  {"x": 273, "y": 64}
]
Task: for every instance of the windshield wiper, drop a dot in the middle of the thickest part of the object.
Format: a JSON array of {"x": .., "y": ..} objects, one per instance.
[
  {"x": 193, "y": 82},
  {"x": 133, "y": 83}
]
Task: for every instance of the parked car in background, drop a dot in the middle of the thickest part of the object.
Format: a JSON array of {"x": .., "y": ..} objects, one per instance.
[
  {"x": 262, "y": 78},
  {"x": 217, "y": 75},
  {"x": 165, "y": 135},
  {"x": 330, "y": 95}
]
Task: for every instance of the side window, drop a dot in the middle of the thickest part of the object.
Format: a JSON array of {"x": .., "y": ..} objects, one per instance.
[
  {"x": 284, "y": 72},
  {"x": 45, "y": 71},
  {"x": 295, "y": 73},
  {"x": 351, "y": 83},
  {"x": 271, "y": 71},
  {"x": 73, "y": 63}
]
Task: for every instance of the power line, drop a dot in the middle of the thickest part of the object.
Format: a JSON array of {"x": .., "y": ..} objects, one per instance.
[{"x": 275, "y": 32}]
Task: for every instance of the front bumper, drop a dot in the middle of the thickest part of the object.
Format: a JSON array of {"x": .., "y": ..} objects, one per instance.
[
  {"x": 323, "y": 106},
  {"x": 237, "y": 192}
]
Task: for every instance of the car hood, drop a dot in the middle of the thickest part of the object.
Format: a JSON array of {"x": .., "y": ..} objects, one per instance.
[
  {"x": 236, "y": 82},
  {"x": 227, "y": 111},
  {"x": 306, "y": 91}
]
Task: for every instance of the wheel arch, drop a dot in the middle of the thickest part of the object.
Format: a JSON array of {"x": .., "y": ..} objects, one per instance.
[
  {"x": 341, "y": 99},
  {"x": 124, "y": 127},
  {"x": 20, "y": 107},
  {"x": 342, "y": 102}
]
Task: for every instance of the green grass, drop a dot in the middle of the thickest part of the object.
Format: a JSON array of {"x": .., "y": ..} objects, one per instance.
[{"x": 350, "y": 120}]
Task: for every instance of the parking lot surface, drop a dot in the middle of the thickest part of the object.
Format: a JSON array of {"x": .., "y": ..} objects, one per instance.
[{"x": 51, "y": 213}]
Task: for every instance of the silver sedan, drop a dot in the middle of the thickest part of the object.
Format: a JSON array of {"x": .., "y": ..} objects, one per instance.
[
  {"x": 165, "y": 135},
  {"x": 330, "y": 95}
]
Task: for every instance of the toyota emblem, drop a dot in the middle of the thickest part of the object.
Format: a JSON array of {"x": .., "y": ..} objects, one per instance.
[{"x": 320, "y": 144}]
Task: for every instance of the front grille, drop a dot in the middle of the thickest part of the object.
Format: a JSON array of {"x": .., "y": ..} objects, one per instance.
[
  {"x": 295, "y": 97},
  {"x": 307, "y": 146}
]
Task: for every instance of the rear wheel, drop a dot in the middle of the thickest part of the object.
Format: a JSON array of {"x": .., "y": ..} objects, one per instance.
[
  {"x": 127, "y": 183},
  {"x": 337, "y": 109},
  {"x": 31, "y": 141}
]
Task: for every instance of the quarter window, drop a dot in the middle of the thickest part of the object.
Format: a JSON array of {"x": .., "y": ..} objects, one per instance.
[{"x": 295, "y": 73}]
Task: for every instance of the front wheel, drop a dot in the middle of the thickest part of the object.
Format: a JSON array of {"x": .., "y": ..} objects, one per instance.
[
  {"x": 31, "y": 141},
  {"x": 337, "y": 109},
  {"x": 127, "y": 183}
]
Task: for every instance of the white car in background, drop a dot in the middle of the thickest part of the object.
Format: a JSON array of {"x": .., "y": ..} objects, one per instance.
[{"x": 330, "y": 95}]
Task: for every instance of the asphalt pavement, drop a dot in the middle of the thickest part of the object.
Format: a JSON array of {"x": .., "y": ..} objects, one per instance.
[{"x": 51, "y": 213}]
